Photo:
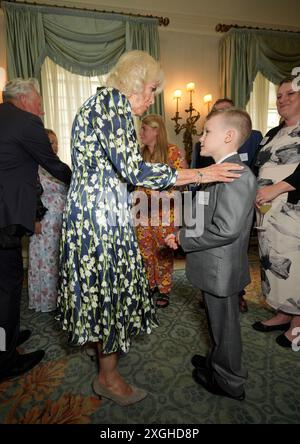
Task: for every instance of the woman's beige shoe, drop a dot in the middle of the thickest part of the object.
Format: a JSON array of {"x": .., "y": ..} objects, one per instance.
[{"x": 136, "y": 395}]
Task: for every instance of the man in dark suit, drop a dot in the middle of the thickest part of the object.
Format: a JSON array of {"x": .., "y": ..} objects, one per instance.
[
  {"x": 217, "y": 261},
  {"x": 247, "y": 153},
  {"x": 24, "y": 146}
]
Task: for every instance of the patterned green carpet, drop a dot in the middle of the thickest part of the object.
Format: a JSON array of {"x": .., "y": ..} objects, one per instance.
[{"x": 59, "y": 390}]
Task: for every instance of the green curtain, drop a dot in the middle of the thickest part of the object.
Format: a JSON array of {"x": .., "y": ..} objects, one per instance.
[
  {"x": 145, "y": 37},
  {"x": 25, "y": 41},
  {"x": 243, "y": 53},
  {"x": 84, "y": 42},
  {"x": 85, "y": 47}
]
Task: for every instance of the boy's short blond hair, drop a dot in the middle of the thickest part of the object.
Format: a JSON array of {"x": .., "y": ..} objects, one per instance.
[{"x": 238, "y": 119}]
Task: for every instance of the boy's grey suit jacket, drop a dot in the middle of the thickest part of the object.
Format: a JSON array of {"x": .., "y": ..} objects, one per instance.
[{"x": 217, "y": 259}]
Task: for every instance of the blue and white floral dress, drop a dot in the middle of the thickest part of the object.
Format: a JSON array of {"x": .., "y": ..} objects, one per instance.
[{"x": 103, "y": 294}]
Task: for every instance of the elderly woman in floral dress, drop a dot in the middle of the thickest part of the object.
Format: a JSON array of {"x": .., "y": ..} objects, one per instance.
[{"x": 104, "y": 295}]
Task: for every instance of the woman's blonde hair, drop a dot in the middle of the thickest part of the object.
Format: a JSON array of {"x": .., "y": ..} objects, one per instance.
[
  {"x": 160, "y": 153},
  {"x": 133, "y": 70}
]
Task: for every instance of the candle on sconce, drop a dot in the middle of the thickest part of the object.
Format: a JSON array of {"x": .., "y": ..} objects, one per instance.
[
  {"x": 208, "y": 100},
  {"x": 190, "y": 86},
  {"x": 177, "y": 95},
  {"x": 189, "y": 124}
]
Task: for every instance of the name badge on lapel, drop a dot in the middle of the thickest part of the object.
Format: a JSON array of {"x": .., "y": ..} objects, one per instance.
[
  {"x": 264, "y": 141},
  {"x": 244, "y": 157},
  {"x": 203, "y": 197}
]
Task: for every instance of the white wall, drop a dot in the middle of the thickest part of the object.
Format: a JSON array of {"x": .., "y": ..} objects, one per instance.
[{"x": 186, "y": 58}]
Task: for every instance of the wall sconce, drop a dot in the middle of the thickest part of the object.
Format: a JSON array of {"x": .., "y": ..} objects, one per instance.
[
  {"x": 208, "y": 100},
  {"x": 189, "y": 126}
]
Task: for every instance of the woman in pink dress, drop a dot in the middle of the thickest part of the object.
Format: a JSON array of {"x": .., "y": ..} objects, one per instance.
[{"x": 44, "y": 244}]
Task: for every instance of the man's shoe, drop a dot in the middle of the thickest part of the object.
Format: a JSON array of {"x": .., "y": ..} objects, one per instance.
[
  {"x": 22, "y": 364},
  {"x": 259, "y": 326},
  {"x": 23, "y": 336},
  {"x": 199, "y": 361},
  {"x": 206, "y": 380}
]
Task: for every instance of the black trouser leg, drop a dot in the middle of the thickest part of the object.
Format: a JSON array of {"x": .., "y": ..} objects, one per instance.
[{"x": 11, "y": 281}]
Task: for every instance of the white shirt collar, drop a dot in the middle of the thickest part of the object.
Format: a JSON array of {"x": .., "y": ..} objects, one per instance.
[{"x": 227, "y": 155}]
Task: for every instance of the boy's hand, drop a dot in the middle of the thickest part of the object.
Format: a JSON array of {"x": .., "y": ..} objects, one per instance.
[{"x": 172, "y": 241}]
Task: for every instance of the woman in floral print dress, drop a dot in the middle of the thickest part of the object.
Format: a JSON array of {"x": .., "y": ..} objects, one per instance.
[
  {"x": 44, "y": 244},
  {"x": 103, "y": 295},
  {"x": 279, "y": 184},
  {"x": 157, "y": 256}
]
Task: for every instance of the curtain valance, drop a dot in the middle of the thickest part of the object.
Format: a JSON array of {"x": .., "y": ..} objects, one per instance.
[
  {"x": 243, "y": 53},
  {"x": 83, "y": 42}
]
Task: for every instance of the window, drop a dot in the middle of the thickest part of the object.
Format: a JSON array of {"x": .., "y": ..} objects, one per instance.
[
  {"x": 63, "y": 93},
  {"x": 262, "y": 104},
  {"x": 273, "y": 116}
]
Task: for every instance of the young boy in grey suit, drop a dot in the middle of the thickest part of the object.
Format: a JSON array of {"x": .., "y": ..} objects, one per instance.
[{"x": 216, "y": 260}]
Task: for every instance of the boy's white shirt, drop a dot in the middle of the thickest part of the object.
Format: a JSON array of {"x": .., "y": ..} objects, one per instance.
[{"x": 227, "y": 155}]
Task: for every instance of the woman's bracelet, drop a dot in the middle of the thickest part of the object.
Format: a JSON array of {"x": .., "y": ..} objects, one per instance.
[{"x": 201, "y": 175}]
